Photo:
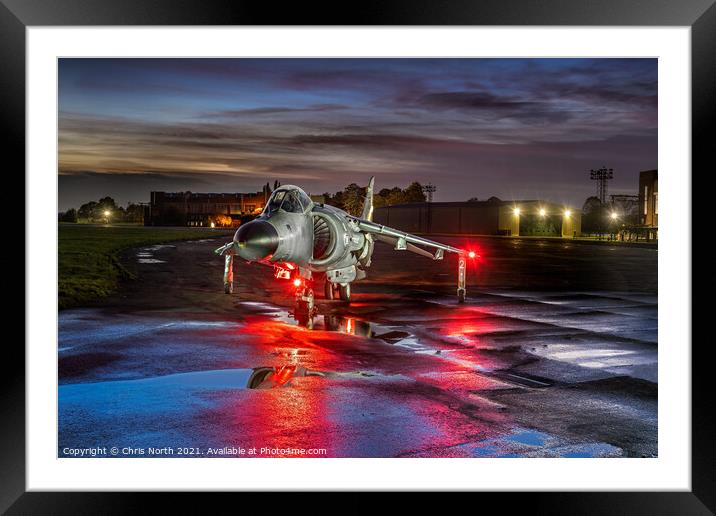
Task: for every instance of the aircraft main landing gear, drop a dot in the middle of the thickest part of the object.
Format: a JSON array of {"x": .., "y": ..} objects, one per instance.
[
  {"x": 344, "y": 291},
  {"x": 337, "y": 291},
  {"x": 329, "y": 290}
]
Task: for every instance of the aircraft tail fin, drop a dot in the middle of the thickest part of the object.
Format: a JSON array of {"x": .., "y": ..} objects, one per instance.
[{"x": 368, "y": 205}]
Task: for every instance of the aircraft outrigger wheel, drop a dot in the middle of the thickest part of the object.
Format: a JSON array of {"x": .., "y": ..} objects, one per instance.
[{"x": 461, "y": 295}]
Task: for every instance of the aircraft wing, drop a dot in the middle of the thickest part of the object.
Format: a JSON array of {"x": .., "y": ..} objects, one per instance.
[{"x": 403, "y": 241}]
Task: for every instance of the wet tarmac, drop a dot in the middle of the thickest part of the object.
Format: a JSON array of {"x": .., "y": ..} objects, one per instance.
[{"x": 554, "y": 354}]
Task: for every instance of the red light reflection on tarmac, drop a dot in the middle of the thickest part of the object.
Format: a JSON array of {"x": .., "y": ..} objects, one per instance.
[
  {"x": 468, "y": 328},
  {"x": 276, "y": 338},
  {"x": 432, "y": 406},
  {"x": 290, "y": 417}
]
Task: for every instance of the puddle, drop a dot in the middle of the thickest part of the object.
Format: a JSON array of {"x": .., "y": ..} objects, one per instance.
[
  {"x": 524, "y": 442},
  {"x": 359, "y": 327},
  {"x": 145, "y": 254},
  {"x": 528, "y": 437},
  {"x": 347, "y": 325},
  {"x": 219, "y": 379}
]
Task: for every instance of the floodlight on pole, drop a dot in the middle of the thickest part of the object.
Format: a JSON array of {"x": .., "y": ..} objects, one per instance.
[
  {"x": 602, "y": 176},
  {"x": 429, "y": 189}
]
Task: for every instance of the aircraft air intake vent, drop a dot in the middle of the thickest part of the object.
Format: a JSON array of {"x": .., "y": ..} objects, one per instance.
[{"x": 321, "y": 238}]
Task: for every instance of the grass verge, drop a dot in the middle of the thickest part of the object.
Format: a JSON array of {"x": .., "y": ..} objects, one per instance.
[{"x": 88, "y": 265}]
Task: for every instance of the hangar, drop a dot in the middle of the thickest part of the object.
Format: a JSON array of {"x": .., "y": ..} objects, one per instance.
[
  {"x": 492, "y": 217},
  {"x": 200, "y": 209}
]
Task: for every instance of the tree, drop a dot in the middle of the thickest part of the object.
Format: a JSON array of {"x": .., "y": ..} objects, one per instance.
[
  {"x": 337, "y": 200},
  {"x": 86, "y": 211},
  {"x": 414, "y": 193},
  {"x": 396, "y": 196},
  {"x": 473, "y": 199},
  {"x": 353, "y": 199},
  {"x": 106, "y": 204},
  {"x": 592, "y": 215},
  {"x": 134, "y": 213},
  {"x": 379, "y": 201},
  {"x": 69, "y": 216}
]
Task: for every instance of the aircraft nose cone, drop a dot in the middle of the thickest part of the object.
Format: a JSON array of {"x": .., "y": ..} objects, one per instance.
[{"x": 257, "y": 240}]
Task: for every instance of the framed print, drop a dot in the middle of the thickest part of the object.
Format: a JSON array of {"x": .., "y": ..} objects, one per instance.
[{"x": 415, "y": 250}]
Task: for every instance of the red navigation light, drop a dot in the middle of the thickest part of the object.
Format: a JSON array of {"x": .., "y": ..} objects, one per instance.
[
  {"x": 297, "y": 282},
  {"x": 471, "y": 254}
]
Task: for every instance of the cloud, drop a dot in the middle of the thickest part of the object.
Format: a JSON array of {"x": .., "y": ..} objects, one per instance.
[
  {"x": 325, "y": 123},
  {"x": 278, "y": 110}
]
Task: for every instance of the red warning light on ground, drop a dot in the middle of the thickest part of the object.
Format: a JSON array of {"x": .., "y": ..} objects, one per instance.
[
  {"x": 472, "y": 254},
  {"x": 297, "y": 282}
]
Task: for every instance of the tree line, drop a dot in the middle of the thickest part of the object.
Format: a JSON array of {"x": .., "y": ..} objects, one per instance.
[
  {"x": 94, "y": 211},
  {"x": 352, "y": 197},
  {"x": 596, "y": 219}
]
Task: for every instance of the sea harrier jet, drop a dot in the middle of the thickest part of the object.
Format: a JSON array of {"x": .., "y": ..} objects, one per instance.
[{"x": 302, "y": 239}]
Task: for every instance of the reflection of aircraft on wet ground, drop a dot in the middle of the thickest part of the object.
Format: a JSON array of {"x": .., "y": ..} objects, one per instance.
[
  {"x": 270, "y": 377},
  {"x": 300, "y": 239}
]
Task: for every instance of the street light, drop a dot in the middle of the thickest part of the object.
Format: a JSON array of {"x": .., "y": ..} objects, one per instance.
[
  {"x": 567, "y": 213},
  {"x": 516, "y": 211},
  {"x": 542, "y": 212},
  {"x": 614, "y": 215},
  {"x": 106, "y": 216}
]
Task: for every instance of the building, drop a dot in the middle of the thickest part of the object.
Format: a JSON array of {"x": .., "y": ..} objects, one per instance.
[
  {"x": 493, "y": 217},
  {"x": 202, "y": 209},
  {"x": 649, "y": 198}
]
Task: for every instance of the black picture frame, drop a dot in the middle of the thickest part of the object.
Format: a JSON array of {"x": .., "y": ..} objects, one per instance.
[{"x": 700, "y": 15}]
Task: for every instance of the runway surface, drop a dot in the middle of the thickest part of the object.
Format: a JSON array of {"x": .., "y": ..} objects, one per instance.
[{"x": 554, "y": 354}]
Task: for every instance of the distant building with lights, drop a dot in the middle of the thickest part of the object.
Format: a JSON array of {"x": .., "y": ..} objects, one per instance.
[
  {"x": 493, "y": 217},
  {"x": 201, "y": 209}
]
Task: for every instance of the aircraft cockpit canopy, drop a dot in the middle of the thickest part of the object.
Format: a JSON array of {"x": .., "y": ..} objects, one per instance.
[{"x": 288, "y": 199}]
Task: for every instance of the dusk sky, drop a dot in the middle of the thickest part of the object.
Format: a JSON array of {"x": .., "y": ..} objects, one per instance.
[{"x": 514, "y": 128}]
